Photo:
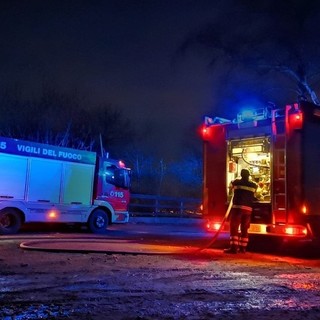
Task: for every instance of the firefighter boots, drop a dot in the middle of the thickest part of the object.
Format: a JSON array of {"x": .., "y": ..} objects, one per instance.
[{"x": 242, "y": 250}]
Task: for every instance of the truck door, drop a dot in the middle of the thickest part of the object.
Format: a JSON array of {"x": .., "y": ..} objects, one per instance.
[{"x": 115, "y": 186}]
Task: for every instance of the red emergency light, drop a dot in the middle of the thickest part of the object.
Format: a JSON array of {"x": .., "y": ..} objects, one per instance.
[
  {"x": 295, "y": 117},
  {"x": 296, "y": 230},
  {"x": 296, "y": 120},
  {"x": 205, "y": 132},
  {"x": 213, "y": 226}
]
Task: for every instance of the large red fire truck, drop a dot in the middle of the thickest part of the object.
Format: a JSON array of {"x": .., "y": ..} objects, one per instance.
[
  {"x": 281, "y": 149},
  {"x": 46, "y": 183}
]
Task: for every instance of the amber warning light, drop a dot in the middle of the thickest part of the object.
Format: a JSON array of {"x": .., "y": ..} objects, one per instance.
[
  {"x": 52, "y": 215},
  {"x": 304, "y": 209}
]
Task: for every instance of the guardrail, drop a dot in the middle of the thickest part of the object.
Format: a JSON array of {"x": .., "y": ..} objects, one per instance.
[{"x": 159, "y": 206}]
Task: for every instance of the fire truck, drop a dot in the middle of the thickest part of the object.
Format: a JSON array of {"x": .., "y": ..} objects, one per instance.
[
  {"x": 46, "y": 183},
  {"x": 281, "y": 149}
]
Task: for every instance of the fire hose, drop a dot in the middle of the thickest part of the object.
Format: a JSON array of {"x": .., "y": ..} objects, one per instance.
[{"x": 215, "y": 237}]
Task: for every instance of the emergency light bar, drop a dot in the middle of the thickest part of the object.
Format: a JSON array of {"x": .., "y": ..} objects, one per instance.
[
  {"x": 253, "y": 115},
  {"x": 216, "y": 120}
]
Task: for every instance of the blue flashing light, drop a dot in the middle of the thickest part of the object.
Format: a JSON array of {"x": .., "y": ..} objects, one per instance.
[
  {"x": 253, "y": 115},
  {"x": 248, "y": 114}
]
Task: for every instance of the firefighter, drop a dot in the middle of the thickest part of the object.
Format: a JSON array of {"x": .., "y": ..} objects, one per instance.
[{"x": 240, "y": 215}]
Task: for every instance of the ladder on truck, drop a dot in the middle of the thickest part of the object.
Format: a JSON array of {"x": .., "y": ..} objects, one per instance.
[{"x": 279, "y": 180}]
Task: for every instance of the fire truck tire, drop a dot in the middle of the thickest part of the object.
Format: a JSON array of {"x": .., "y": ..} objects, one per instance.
[
  {"x": 98, "y": 221},
  {"x": 10, "y": 221}
]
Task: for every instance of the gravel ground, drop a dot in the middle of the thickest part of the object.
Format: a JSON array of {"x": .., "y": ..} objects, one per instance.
[{"x": 206, "y": 285}]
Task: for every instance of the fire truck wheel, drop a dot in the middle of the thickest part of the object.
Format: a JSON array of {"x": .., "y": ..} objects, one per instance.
[
  {"x": 10, "y": 221},
  {"x": 98, "y": 221}
]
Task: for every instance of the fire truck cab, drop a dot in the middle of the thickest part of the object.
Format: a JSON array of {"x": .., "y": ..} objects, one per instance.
[{"x": 281, "y": 149}]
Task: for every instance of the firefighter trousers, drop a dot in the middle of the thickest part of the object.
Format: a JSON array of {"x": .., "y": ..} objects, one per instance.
[{"x": 242, "y": 218}]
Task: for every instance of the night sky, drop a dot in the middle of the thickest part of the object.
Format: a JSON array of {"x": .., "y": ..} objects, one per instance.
[{"x": 121, "y": 52}]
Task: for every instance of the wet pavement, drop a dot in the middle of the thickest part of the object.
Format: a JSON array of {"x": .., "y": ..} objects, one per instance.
[{"x": 206, "y": 284}]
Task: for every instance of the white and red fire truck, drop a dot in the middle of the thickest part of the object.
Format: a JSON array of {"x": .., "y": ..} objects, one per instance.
[
  {"x": 46, "y": 183},
  {"x": 281, "y": 149}
]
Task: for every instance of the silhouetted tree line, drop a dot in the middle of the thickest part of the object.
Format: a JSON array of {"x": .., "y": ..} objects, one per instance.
[{"x": 64, "y": 120}]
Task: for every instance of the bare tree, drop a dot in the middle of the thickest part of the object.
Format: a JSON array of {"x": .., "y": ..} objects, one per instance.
[{"x": 275, "y": 38}]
